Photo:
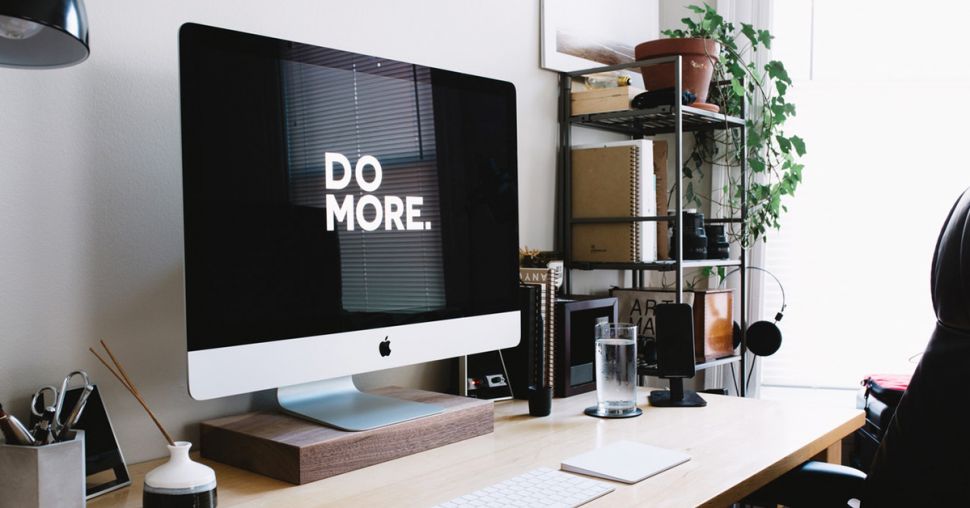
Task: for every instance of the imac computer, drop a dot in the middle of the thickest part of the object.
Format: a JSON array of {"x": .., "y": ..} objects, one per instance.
[{"x": 343, "y": 213}]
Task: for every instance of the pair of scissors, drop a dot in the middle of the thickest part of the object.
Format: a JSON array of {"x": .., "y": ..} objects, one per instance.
[{"x": 57, "y": 405}]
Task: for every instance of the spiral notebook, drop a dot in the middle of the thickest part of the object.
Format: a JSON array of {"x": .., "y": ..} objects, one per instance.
[
  {"x": 625, "y": 461},
  {"x": 614, "y": 180}
]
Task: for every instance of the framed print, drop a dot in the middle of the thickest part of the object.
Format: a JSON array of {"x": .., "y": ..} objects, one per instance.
[{"x": 579, "y": 34}]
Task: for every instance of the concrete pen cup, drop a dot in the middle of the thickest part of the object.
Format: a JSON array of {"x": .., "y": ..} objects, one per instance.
[{"x": 41, "y": 476}]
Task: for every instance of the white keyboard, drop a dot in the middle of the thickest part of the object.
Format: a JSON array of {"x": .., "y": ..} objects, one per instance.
[{"x": 539, "y": 487}]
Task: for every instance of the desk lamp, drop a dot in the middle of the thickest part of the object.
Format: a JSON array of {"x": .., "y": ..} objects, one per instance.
[{"x": 43, "y": 33}]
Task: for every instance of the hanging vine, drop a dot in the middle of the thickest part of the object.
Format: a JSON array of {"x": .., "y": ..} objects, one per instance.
[{"x": 773, "y": 156}]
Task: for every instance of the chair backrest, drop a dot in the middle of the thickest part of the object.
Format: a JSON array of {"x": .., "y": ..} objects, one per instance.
[{"x": 924, "y": 459}]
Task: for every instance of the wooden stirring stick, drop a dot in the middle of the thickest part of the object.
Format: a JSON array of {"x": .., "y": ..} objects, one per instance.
[{"x": 122, "y": 377}]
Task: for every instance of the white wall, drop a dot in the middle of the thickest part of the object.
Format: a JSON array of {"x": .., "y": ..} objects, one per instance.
[{"x": 90, "y": 179}]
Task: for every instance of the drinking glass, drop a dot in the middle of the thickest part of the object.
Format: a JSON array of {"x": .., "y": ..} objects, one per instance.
[{"x": 616, "y": 371}]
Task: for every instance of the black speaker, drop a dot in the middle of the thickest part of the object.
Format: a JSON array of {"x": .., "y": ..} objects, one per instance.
[
  {"x": 675, "y": 355},
  {"x": 764, "y": 337}
]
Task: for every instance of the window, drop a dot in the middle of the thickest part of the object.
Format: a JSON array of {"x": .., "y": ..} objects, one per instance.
[{"x": 881, "y": 105}]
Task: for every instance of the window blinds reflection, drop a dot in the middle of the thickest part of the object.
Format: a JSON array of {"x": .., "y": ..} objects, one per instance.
[{"x": 357, "y": 106}]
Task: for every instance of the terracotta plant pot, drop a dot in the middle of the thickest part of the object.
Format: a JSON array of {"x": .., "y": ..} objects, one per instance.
[{"x": 699, "y": 57}]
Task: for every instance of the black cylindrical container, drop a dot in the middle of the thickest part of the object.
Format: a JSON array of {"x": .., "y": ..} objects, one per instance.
[
  {"x": 695, "y": 240},
  {"x": 540, "y": 400},
  {"x": 204, "y": 499},
  {"x": 718, "y": 246}
]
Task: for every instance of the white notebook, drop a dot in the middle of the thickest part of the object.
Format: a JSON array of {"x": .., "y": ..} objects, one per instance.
[{"x": 625, "y": 461}]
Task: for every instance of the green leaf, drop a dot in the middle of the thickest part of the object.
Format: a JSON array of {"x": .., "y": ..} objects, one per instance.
[
  {"x": 716, "y": 21},
  {"x": 778, "y": 111},
  {"x": 781, "y": 86},
  {"x": 757, "y": 165},
  {"x": 695, "y": 8},
  {"x": 749, "y": 32},
  {"x": 776, "y": 70},
  {"x": 736, "y": 87},
  {"x": 783, "y": 143},
  {"x": 765, "y": 37},
  {"x": 799, "y": 145}
]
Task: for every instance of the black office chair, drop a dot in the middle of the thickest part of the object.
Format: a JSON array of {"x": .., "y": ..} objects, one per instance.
[{"x": 924, "y": 459}]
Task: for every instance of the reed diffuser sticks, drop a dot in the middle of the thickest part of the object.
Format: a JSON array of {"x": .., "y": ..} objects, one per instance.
[{"x": 122, "y": 377}]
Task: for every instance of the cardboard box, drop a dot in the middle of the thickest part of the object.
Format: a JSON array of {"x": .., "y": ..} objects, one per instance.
[{"x": 601, "y": 100}]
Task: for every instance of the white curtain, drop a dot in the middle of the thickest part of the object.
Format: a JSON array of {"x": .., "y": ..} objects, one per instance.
[{"x": 757, "y": 13}]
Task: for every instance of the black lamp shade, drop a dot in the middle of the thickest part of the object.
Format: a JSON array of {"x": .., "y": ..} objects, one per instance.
[{"x": 43, "y": 33}]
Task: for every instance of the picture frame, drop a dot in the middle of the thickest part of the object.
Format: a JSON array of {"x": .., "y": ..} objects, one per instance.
[
  {"x": 575, "y": 341},
  {"x": 577, "y": 34}
]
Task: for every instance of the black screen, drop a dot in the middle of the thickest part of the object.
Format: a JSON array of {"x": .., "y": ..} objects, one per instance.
[
  {"x": 327, "y": 191},
  {"x": 675, "y": 340}
]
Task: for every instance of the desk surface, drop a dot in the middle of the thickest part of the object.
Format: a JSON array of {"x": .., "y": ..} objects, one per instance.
[{"x": 736, "y": 446}]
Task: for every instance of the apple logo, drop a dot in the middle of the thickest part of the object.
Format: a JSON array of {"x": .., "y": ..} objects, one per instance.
[{"x": 385, "y": 347}]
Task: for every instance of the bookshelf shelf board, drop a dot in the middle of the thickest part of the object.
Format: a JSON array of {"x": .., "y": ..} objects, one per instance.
[
  {"x": 658, "y": 120},
  {"x": 664, "y": 265},
  {"x": 651, "y": 370},
  {"x": 653, "y": 218}
]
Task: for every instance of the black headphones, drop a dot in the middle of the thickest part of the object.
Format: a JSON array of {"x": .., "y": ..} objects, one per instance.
[{"x": 764, "y": 337}]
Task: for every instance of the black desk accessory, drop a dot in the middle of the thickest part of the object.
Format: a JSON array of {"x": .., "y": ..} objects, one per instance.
[
  {"x": 525, "y": 363},
  {"x": 675, "y": 355},
  {"x": 575, "y": 341},
  {"x": 661, "y": 97},
  {"x": 101, "y": 450},
  {"x": 539, "y": 391}
]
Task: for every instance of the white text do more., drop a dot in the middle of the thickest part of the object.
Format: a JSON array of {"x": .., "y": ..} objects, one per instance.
[{"x": 394, "y": 213}]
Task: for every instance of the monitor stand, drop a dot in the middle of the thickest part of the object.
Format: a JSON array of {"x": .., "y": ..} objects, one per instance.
[
  {"x": 338, "y": 403},
  {"x": 676, "y": 397}
]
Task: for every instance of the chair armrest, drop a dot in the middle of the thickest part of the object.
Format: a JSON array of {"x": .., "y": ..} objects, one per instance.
[{"x": 815, "y": 484}]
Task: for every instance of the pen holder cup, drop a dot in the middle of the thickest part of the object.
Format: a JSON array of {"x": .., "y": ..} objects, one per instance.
[
  {"x": 41, "y": 476},
  {"x": 540, "y": 400}
]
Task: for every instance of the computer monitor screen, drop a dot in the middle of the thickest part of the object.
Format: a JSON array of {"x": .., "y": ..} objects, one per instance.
[{"x": 343, "y": 213}]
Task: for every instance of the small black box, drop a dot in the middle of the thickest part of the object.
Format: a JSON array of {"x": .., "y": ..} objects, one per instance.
[{"x": 574, "y": 369}]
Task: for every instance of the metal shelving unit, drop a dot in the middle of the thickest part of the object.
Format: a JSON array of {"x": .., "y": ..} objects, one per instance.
[{"x": 675, "y": 119}]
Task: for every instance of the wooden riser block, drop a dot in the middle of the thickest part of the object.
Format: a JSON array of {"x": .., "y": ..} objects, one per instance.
[{"x": 299, "y": 451}]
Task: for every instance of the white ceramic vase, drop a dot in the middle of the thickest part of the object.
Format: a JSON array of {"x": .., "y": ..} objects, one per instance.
[{"x": 180, "y": 482}]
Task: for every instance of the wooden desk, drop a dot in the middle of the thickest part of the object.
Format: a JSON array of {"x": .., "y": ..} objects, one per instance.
[{"x": 737, "y": 445}]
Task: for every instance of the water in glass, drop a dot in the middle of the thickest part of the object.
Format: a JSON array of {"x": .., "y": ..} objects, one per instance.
[{"x": 616, "y": 367}]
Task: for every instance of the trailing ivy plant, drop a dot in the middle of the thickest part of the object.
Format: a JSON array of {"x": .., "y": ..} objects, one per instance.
[{"x": 772, "y": 155}]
